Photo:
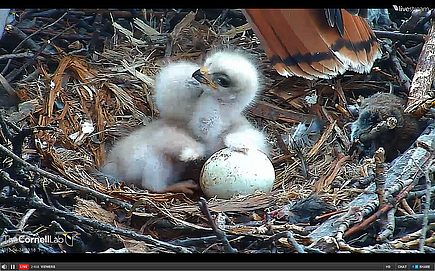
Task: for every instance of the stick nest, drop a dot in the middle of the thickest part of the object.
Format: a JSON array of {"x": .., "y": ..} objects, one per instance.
[{"x": 81, "y": 100}]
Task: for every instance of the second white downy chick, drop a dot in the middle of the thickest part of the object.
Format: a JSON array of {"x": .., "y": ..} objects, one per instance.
[
  {"x": 176, "y": 92},
  {"x": 230, "y": 82},
  {"x": 154, "y": 157}
]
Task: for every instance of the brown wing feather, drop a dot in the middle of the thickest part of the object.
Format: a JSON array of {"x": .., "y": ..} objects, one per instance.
[
  {"x": 303, "y": 28},
  {"x": 373, "y": 50},
  {"x": 354, "y": 34},
  {"x": 275, "y": 39},
  {"x": 265, "y": 27},
  {"x": 300, "y": 42}
]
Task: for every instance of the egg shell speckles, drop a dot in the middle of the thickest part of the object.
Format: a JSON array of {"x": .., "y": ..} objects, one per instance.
[{"x": 227, "y": 173}]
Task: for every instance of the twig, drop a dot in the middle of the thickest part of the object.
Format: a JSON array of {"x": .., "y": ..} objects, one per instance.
[
  {"x": 20, "y": 188},
  {"x": 17, "y": 146},
  {"x": 424, "y": 74},
  {"x": 15, "y": 72},
  {"x": 415, "y": 220},
  {"x": 37, "y": 31},
  {"x": 23, "y": 37},
  {"x": 352, "y": 216},
  {"x": 330, "y": 176},
  {"x": 429, "y": 178},
  {"x": 418, "y": 194},
  {"x": 414, "y": 49},
  {"x": 411, "y": 64},
  {"x": 417, "y": 19},
  {"x": 11, "y": 125},
  {"x": 40, "y": 205},
  {"x": 219, "y": 234},
  {"x": 47, "y": 13},
  {"x": 292, "y": 240},
  {"x": 398, "y": 35},
  {"x": 24, "y": 40},
  {"x": 24, "y": 219},
  {"x": 379, "y": 158},
  {"x": 325, "y": 135},
  {"x": 11, "y": 92},
  {"x": 97, "y": 29},
  {"x": 387, "y": 207},
  {"x": 7, "y": 224},
  {"x": 271, "y": 112},
  {"x": 404, "y": 79},
  {"x": 203, "y": 240},
  {"x": 106, "y": 12},
  {"x": 59, "y": 179},
  {"x": 17, "y": 55},
  {"x": 292, "y": 143},
  {"x": 406, "y": 206},
  {"x": 63, "y": 36},
  {"x": 388, "y": 226},
  {"x": 6, "y": 132},
  {"x": 285, "y": 234}
]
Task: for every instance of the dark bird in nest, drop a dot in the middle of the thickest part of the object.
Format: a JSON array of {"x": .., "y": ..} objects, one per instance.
[
  {"x": 382, "y": 122},
  {"x": 304, "y": 210}
]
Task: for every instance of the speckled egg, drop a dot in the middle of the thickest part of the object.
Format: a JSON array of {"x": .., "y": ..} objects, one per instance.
[{"x": 227, "y": 173}]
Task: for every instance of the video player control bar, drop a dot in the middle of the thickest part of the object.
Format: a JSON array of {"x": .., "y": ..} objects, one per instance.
[{"x": 227, "y": 266}]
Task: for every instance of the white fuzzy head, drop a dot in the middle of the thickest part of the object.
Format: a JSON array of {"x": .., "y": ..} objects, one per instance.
[
  {"x": 231, "y": 77},
  {"x": 176, "y": 91}
]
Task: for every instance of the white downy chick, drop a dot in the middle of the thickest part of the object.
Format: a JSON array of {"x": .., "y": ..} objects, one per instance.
[
  {"x": 154, "y": 157},
  {"x": 176, "y": 92},
  {"x": 230, "y": 82}
]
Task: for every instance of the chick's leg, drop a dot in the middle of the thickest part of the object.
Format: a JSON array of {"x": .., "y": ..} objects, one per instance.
[
  {"x": 160, "y": 175},
  {"x": 158, "y": 172},
  {"x": 171, "y": 148},
  {"x": 190, "y": 150}
]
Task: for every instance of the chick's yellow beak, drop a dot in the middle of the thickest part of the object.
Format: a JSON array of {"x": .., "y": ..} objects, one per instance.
[{"x": 201, "y": 76}]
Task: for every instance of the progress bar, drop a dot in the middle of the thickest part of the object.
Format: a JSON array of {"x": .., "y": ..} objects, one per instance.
[{"x": 227, "y": 266}]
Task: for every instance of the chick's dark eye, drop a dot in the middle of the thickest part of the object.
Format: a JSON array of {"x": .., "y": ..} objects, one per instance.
[{"x": 223, "y": 80}]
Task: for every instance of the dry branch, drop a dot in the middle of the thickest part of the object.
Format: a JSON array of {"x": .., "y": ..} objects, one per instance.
[
  {"x": 41, "y": 206},
  {"x": 59, "y": 179},
  {"x": 273, "y": 112},
  {"x": 424, "y": 74},
  {"x": 407, "y": 166},
  {"x": 429, "y": 179},
  {"x": 398, "y": 35},
  {"x": 222, "y": 237}
]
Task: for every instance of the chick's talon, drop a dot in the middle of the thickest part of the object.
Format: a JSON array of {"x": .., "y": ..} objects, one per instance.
[
  {"x": 187, "y": 187},
  {"x": 243, "y": 150},
  {"x": 236, "y": 142}
]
